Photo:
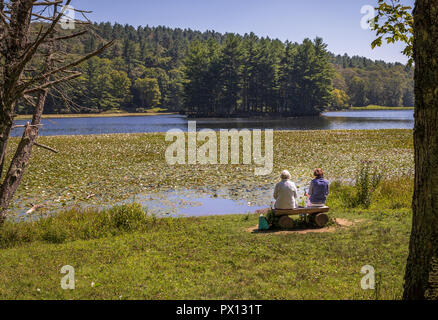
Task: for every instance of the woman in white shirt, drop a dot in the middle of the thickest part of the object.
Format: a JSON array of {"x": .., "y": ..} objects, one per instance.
[{"x": 285, "y": 192}]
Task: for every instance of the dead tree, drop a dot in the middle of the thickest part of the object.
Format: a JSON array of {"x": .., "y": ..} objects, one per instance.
[{"x": 31, "y": 64}]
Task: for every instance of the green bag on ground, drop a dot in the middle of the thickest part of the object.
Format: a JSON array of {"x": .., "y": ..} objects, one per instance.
[{"x": 263, "y": 223}]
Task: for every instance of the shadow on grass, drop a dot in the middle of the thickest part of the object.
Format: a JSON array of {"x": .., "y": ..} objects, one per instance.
[{"x": 334, "y": 225}]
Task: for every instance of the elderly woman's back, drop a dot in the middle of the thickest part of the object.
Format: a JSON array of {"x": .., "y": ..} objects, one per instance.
[
  {"x": 319, "y": 189},
  {"x": 285, "y": 193}
]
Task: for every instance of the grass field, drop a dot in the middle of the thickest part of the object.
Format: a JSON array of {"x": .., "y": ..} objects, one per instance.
[
  {"x": 216, "y": 258},
  {"x": 123, "y": 253}
]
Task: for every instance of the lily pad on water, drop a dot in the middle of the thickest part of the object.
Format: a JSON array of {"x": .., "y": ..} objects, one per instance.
[{"x": 118, "y": 167}]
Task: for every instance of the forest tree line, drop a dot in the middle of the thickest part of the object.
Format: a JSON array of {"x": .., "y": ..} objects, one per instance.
[
  {"x": 248, "y": 75},
  {"x": 183, "y": 70}
]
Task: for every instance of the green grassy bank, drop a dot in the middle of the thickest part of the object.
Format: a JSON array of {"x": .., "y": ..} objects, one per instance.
[{"x": 216, "y": 258}]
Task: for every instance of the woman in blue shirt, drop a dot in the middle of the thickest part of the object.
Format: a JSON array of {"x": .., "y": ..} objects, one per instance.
[{"x": 319, "y": 189}]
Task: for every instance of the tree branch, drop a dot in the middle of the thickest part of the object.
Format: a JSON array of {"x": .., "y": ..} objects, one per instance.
[{"x": 61, "y": 69}]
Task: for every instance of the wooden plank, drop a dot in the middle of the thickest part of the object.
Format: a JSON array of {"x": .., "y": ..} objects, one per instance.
[{"x": 291, "y": 212}]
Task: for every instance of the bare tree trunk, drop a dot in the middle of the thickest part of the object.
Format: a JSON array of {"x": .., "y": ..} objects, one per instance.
[
  {"x": 20, "y": 161},
  {"x": 421, "y": 278},
  {"x": 6, "y": 122},
  {"x": 17, "y": 53},
  {"x": 17, "y": 40},
  {"x": 21, "y": 158}
]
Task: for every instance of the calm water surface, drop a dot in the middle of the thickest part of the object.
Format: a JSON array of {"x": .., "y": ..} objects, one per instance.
[
  {"x": 345, "y": 120},
  {"x": 190, "y": 203}
]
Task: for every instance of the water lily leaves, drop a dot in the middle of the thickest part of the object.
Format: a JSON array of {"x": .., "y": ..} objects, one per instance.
[{"x": 116, "y": 167}]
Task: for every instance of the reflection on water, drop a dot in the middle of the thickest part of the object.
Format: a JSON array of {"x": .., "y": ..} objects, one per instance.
[
  {"x": 381, "y": 119},
  {"x": 190, "y": 203},
  {"x": 172, "y": 203},
  {"x": 180, "y": 203},
  {"x": 396, "y": 115}
]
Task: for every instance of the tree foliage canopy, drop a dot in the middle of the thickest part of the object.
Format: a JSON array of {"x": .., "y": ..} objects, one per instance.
[
  {"x": 394, "y": 22},
  {"x": 249, "y": 68}
]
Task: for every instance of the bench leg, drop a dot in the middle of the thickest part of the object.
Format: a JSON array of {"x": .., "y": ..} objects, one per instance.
[
  {"x": 286, "y": 222},
  {"x": 320, "y": 219}
]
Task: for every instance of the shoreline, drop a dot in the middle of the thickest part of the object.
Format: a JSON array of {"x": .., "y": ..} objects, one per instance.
[
  {"x": 378, "y": 108},
  {"x": 96, "y": 115},
  {"x": 164, "y": 132},
  {"x": 144, "y": 114}
]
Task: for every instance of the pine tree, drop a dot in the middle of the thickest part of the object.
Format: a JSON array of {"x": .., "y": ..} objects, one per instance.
[{"x": 230, "y": 69}]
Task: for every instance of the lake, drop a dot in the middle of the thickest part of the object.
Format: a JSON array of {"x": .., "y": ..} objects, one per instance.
[
  {"x": 342, "y": 120},
  {"x": 193, "y": 203}
]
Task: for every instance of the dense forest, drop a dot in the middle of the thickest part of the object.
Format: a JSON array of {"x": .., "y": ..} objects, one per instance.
[
  {"x": 257, "y": 76},
  {"x": 208, "y": 73}
]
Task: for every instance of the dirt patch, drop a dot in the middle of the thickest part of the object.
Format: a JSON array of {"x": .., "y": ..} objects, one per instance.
[
  {"x": 340, "y": 223},
  {"x": 346, "y": 223}
]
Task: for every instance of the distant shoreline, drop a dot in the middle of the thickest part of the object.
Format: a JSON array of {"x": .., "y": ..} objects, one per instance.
[
  {"x": 374, "y": 107},
  {"x": 143, "y": 114},
  {"x": 95, "y": 115}
]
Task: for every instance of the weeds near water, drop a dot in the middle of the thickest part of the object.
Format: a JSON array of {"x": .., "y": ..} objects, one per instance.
[
  {"x": 367, "y": 181},
  {"x": 394, "y": 193},
  {"x": 77, "y": 224}
]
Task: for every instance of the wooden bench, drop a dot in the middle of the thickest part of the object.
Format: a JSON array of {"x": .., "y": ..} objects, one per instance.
[{"x": 317, "y": 215}]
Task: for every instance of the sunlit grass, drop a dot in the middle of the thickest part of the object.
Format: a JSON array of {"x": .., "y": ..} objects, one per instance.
[
  {"x": 215, "y": 258},
  {"x": 77, "y": 224},
  {"x": 395, "y": 193}
]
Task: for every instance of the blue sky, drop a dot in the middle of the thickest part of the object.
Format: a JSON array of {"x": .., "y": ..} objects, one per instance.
[{"x": 336, "y": 21}]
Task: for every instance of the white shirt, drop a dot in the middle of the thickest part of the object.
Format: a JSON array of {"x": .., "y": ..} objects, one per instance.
[{"x": 285, "y": 195}]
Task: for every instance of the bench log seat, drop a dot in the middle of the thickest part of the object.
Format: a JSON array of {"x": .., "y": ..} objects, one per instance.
[
  {"x": 317, "y": 215},
  {"x": 292, "y": 212}
]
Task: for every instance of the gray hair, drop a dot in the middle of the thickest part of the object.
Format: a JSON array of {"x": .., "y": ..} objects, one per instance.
[{"x": 285, "y": 175}]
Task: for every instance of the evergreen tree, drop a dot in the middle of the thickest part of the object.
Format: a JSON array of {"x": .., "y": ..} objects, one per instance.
[
  {"x": 213, "y": 74},
  {"x": 147, "y": 93},
  {"x": 230, "y": 66}
]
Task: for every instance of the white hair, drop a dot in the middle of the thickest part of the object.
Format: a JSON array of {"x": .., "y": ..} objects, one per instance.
[{"x": 285, "y": 175}]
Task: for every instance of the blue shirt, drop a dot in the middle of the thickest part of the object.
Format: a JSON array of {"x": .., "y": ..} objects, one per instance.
[{"x": 319, "y": 190}]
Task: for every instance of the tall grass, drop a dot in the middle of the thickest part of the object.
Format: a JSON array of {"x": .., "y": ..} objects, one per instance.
[
  {"x": 367, "y": 181},
  {"x": 78, "y": 224},
  {"x": 394, "y": 193}
]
